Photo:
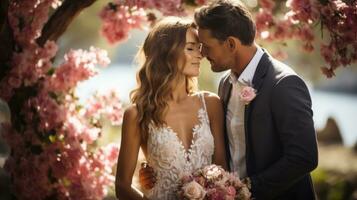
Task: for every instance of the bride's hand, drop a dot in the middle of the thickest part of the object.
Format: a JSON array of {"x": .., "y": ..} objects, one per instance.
[{"x": 146, "y": 176}]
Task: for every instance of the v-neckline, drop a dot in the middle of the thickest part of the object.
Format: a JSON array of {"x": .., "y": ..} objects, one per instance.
[{"x": 196, "y": 127}]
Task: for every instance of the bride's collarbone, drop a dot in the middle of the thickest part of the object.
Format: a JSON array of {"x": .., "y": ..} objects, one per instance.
[
  {"x": 182, "y": 122},
  {"x": 183, "y": 117}
]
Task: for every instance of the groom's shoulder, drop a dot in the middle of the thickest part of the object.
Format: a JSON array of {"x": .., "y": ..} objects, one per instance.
[
  {"x": 282, "y": 70},
  {"x": 284, "y": 75}
]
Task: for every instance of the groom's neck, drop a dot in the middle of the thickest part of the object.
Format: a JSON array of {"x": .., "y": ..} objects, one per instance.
[{"x": 243, "y": 57}]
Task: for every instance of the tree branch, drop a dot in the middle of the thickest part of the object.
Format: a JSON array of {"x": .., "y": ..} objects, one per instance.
[
  {"x": 6, "y": 39},
  {"x": 61, "y": 19},
  {"x": 4, "y": 4}
]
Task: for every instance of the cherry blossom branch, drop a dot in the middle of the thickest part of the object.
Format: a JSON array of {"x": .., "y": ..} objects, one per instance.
[
  {"x": 61, "y": 19},
  {"x": 54, "y": 28}
]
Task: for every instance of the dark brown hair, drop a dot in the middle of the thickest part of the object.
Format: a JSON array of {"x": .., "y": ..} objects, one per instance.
[{"x": 226, "y": 18}]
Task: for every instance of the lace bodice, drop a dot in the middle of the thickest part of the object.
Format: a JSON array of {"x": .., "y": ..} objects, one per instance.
[{"x": 169, "y": 158}]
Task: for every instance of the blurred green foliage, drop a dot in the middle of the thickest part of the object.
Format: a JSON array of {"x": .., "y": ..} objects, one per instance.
[{"x": 333, "y": 185}]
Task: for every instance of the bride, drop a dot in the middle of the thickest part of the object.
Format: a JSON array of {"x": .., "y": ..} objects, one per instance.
[{"x": 178, "y": 128}]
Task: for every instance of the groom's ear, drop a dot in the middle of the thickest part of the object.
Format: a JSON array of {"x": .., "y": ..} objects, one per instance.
[{"x": 232, "y": 43}]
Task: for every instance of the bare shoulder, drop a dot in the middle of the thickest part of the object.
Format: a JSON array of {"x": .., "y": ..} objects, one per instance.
[
  {"x": 214, "y": 107},
  {"x": 211, "y": 98},
  {"x": 213, "y": 102},
  {"x": 130, "y": 121},
  {"x": 131, "y": 113}
]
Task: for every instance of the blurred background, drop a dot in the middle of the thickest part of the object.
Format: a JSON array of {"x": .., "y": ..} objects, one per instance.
[{"x": 334, "y": 100}]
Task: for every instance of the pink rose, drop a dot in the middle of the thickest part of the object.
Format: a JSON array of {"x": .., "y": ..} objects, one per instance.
[
  {"x": 216, "y": 194},
  {"x": 231, "y": 191},
  {"x": 247, "y": 94},
  {"x": 193, "y": 190}
]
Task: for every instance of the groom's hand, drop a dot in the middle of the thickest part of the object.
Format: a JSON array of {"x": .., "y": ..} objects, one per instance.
[{"x": 146, "y": 176}]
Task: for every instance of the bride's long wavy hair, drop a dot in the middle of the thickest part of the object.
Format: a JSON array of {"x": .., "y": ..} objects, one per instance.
[{"x": 159, "y": 72}]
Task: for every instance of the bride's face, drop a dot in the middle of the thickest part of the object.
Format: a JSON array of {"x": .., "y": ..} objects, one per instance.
[{"x": 190, "y": 61}]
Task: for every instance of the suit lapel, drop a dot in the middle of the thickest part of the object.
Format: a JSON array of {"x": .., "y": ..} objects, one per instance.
[
  {"x": 225, "y": 94},
  {"x": 257, "y": 84}
]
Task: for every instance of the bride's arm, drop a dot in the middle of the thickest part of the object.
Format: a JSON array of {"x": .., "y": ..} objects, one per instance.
[
  {"x": 216, "y": 117},
  {"x": 128, "y": 156}
]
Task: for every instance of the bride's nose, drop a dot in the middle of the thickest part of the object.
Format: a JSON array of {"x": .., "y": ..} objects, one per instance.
[{"x": 199, "y": 55}]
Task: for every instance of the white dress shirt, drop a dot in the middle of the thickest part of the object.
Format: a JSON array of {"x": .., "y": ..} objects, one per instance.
[{"x": 235, "y": 115}]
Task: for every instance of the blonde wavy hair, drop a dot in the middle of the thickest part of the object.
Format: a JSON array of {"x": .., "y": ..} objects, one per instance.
[{"x": 159, "y": 72}]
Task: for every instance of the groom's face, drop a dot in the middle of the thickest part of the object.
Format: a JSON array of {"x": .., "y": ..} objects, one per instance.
[{"x": 214, "y": 50}]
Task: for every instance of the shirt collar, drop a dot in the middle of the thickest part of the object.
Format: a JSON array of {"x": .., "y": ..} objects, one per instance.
[{"x": 247, "y": 75}]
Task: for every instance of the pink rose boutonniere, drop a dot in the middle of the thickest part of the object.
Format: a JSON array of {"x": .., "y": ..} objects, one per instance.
[{"x": 247, "y": 94}]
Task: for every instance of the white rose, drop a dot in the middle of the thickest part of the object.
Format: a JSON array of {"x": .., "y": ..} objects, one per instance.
[
  {"x": 213, "y": 172},
  {"x": 194, "y": 191}
]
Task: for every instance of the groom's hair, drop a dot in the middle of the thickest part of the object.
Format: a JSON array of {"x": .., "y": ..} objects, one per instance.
[{"x": 226, "y": 18}]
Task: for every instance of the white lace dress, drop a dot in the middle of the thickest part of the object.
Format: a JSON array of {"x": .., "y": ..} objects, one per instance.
[{"x": 169, "y": 158}]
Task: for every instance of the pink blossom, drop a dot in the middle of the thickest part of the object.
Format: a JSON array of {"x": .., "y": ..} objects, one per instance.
[
  {"x": 50, "y": 113},
  {"x": 305, "y": 33},
  {"x": 51, "y": 145},
  {"x": 328, "y": 72},
  {"x": 264, "y": 20},
  {"x": 27, "y": 67},
  {"x": 281, "y": 32},
  {"x": 200, "y": 2},
  {"x": 119, "y": 19},
  {"x": 267, "y": 4},
  {"x": 302, "y": 10},
  {"x": 167, "y": 7},
  {"x": 111, "y": 151},
  {"x": 79, "y": 65},
  {"x": 106, "y": 105},
  {"x": 33, "y": 15},
  {"x": 247, "y": 94}
]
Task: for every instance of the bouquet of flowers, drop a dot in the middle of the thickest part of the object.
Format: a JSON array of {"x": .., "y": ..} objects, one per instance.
[{"x": 212, "y": 183}]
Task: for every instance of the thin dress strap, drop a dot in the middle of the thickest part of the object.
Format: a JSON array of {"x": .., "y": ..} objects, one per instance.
[{"x": 202, "y": 95}]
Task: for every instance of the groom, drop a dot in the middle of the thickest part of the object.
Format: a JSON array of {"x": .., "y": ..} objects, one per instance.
[{"x": 271, "y": 140}]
